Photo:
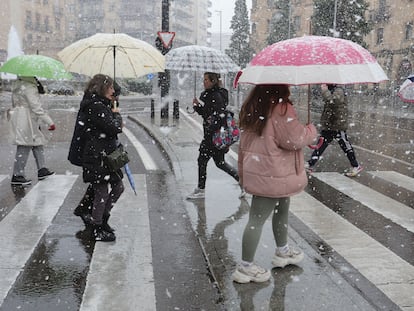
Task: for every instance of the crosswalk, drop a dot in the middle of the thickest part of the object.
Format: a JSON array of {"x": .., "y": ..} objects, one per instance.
[
  {"x": 385, "y": 269},
  {"x": 28, "y": 221},
  {"x": 120, "y": 274},
  {"x": 121, "y": 277}
]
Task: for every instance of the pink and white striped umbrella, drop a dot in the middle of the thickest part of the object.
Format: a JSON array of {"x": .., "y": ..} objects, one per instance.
[
  {"x": 312, "y": 60},
  {"x": 406, "y": 92}
]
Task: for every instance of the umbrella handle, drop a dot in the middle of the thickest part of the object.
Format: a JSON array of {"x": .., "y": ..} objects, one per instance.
[
  {"x": 195, "y": 83},
  {"x": 309, "y": 97},
  {"x": 188, "y": 110},
  {"x": 318, "y": 145}
]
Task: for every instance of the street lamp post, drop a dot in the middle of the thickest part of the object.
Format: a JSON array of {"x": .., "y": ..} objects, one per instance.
[
  {"x": 334, "y": 20},
  {"x": 220, "y": 12},
  {"x": 289, "y": 19}
]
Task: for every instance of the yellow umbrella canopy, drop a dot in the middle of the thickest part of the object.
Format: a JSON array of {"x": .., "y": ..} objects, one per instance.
[{"x": 118, "y": 55}]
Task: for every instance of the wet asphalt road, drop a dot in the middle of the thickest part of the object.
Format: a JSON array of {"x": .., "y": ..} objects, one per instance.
[{"x": 54, "y": 277}]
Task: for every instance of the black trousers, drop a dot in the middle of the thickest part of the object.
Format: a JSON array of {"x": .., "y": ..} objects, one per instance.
[
  {"x": 344, "y": 143},
  {"x": 208, "y": 151},
  {"x": 104, "y": 200}
]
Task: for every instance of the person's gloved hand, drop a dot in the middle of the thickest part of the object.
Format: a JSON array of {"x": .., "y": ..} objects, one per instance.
[{"x": 52, "y": 127}]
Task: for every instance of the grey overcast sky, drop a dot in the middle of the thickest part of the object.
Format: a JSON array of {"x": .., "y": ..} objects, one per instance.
[{"x": 226, "y": 7}]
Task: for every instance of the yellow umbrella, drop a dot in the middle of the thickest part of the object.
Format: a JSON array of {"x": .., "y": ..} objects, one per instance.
[{"x": 114, "y": 54}]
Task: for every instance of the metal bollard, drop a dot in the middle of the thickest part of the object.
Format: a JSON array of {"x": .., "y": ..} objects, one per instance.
[
  {"x": 176, "y": 110},
  {"x": 152, "y": 109}
]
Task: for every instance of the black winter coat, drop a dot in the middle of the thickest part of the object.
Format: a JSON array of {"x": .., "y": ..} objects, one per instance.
[
  {"x": 98, "y": 128},
  {"x": 215, "y": 101}
]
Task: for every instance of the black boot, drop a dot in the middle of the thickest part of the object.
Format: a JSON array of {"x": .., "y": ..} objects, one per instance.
[
  {"x": 99, "y": 234},
  {"x": 84, "y": 213},
  {"x": 84, "y": 209},
  {"x": 105, "y": 224}
]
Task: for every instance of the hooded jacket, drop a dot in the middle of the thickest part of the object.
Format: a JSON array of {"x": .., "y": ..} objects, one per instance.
[
  {"x": 335, "y": 111},
  {"x": 272, "y": 165},
  {"x": 27, "y": 115}
]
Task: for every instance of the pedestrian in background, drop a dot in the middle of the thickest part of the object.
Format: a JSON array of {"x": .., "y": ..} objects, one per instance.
[
  {"x": 271, "y": 168},
  {"x": 27, "y": 119},
  {"x": 334, "y": 122},
  {"x": 103, "y": 123},
  {"x": 214, "y": 100}
]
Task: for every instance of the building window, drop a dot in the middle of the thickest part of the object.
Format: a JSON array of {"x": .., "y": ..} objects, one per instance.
[
  {"x": 47, "y": 26},
  {"x": 380, "y": 35},
  {"x": 57, "y": 23},
  {"x": 409, "y": 31},
  {"x": 297, "y": 22},
  {"x": 29, "y": 22},
  {"x": 37, "y": 23}
]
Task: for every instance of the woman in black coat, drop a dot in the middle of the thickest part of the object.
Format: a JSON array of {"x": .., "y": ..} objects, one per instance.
[
  {"x": 215, "y": 99},
  {"x": 101, "y": 124}
]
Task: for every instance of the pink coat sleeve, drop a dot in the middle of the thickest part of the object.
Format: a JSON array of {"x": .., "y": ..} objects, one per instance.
[{"x": 290, "y": 133}]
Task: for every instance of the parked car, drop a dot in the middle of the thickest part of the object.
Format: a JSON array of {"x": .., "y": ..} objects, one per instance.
[{"x": 60, "y": 88}]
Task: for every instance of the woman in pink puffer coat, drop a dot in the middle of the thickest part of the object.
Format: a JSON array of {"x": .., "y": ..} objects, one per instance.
[{"x": 271, "y": 168}]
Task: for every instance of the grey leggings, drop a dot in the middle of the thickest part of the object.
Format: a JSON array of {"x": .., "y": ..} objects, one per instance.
[
  {"x": 22, "y": 154},
  {"x": 260, "y": 210}
]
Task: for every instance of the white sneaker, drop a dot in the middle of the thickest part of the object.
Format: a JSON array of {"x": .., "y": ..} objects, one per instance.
[
  {"x": 292, "y": 257},
  {"x": 308, "y": 168},
  {"x": 354, "y": 171},
  {"x": 196, "y": 194},
  {"x": 252, "y": 273}
]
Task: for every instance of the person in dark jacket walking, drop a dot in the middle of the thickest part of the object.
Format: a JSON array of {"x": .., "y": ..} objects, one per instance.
[
  {"x": 101, "y": 123},
  {"x": 334, "y": 122},
  {"x": 212, "y": 109},
  {"x": 84, "y": 208}
]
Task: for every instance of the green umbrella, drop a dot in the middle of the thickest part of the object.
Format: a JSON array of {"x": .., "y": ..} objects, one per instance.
[{"x": 36, "y": 66}]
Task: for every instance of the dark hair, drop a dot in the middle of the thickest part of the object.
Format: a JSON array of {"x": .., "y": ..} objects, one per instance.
[
  {"x": 117, "y": 89},
  {"x": 213, "y": 77},
  {"x": 331, "y": 87},
  {"x": 99, "y": 84},
  {"x": 40, "y": 87},
  {"x": 259, "y": 104}
]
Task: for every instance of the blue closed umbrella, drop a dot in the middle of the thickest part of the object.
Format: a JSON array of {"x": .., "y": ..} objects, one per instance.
[{"x": 130, "y": 177}]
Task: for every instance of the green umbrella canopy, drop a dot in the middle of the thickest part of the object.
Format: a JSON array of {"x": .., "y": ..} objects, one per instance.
[{"x": 36, "y": 66}]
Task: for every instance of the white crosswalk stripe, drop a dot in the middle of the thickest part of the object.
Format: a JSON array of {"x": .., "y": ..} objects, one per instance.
[
  {"x": 396, "y": 178},
  {"x": 385, "y": 269},
  {"x": 121, "y": 275},
  {"x": 382, "y": 267},
  {"x": 28, "y": 221},
  {"x": 395, "y": 211}
]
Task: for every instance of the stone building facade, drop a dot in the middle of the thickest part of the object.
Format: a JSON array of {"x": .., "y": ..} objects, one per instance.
[
  {"x": 391, "y": 41},
  {"x": 47, "y": 26}
]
